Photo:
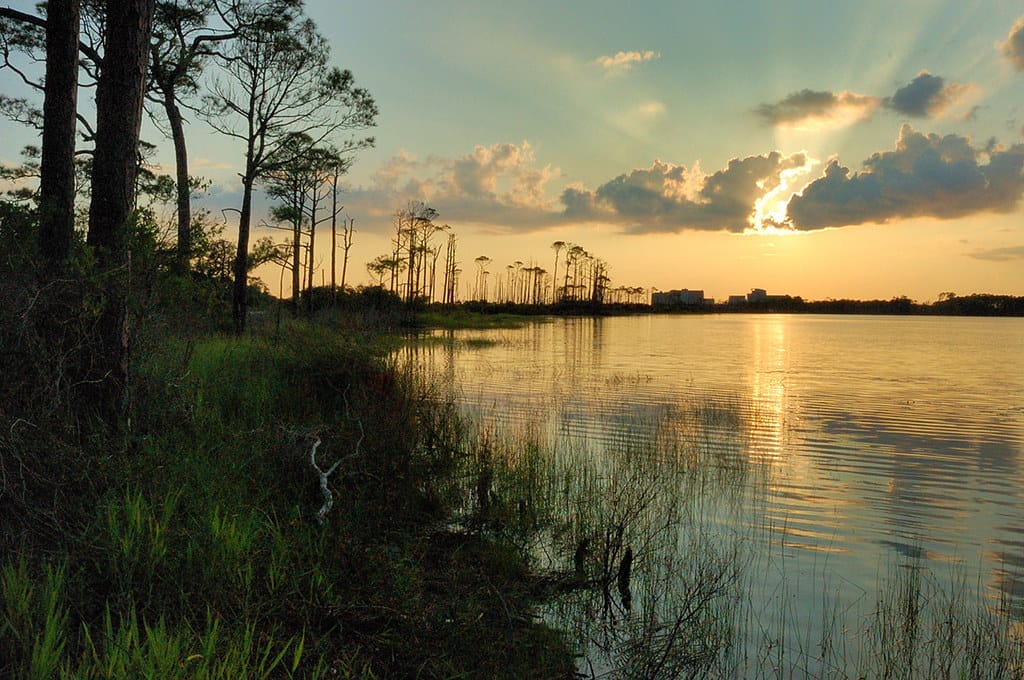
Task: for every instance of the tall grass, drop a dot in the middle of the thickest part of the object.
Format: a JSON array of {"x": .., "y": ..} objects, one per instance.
[
  {"x": 679, "y": 487},
  {"x": 198, "y": 552},
  {"x": 634, "y": 566}
]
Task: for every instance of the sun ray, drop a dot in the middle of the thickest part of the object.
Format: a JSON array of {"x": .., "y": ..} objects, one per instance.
[{"x": 770, "y": 210}]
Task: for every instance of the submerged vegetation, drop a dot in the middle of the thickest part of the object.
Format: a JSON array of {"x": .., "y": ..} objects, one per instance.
[{"x": 642, "y": 544}]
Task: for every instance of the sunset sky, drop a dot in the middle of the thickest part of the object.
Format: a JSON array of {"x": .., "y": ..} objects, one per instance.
[{"x": 821, "y": 149}]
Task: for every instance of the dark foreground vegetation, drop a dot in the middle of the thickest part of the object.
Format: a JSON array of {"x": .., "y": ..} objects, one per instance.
[{"x": 194, "y": 538}]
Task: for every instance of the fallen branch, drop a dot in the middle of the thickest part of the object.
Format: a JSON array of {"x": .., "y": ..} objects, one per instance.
[{"x": 321, "y": 515}]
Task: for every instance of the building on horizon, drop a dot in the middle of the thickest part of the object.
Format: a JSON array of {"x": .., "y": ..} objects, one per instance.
[
  {"x": 678, "y": 297},
  {"x": 759, "y": 297}
]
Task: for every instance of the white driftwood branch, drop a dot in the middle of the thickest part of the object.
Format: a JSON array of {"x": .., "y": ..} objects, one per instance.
[{"x": 321, "y": 515}]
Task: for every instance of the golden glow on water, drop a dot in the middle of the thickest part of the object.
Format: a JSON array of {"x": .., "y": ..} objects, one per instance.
[
  {"x": 768, "y": 388},
  {"x": 888, "y": 438}
]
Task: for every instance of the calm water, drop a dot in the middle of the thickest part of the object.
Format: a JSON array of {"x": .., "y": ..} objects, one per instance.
[{"x": 888, "y": 438}]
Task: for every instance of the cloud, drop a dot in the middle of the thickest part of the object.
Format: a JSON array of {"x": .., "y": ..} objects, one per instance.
[
  {"x": 623, "y": 61},
  {"x": 650, "y": 109},
  {"x": 669, "y": 197},
  {"x": 500, "y": 184},
  {"x": 924, "y": 176},
  {"x": 928, "y": 96},
  {"x": 999, "y": 254},
  {"x": 1013, "y": 46},
  {"x": 818, "y": 109}
]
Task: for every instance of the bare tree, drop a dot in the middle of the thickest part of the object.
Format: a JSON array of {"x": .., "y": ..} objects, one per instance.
[
  {"x": 336, "y": 169},
  {"x": 349, "y": 230},
  {"x": 557, "y": 246},
  {"x": 481, "y": 286},
  {"x": 450, "y": 270}
]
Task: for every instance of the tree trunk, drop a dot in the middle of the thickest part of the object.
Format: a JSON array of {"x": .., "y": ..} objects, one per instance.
[
  {"x": 240, "y": 286},
  {"x": 311, "y": 270},
  {"x": 350, "y": 228},
  {"x": 119, "y": 95},
  {"x": 299, "y": 204},
  {"x": 334, "y": 231},
  {"x": 181, "y": 169},
  {"x": 57, "y": 181}
]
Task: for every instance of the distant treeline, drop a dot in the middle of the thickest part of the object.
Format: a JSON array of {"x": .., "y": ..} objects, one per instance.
[
  {"x": 380, "y": 300},
  {"x": 979, "y": 304}
]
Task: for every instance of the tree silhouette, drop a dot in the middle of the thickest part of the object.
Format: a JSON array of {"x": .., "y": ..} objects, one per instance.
[
  {"x": 275, "y": 84},
  {"x": 182, "y": 42},
  {"x": 348, "y": 232},
  {"x": 451, "y": 270},
  {"x": 481, "y": 286},
  {"x": 557, "y": 246}
]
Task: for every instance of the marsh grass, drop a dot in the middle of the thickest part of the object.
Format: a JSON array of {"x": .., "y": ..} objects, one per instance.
[
  {"x": 195, "y": 552},
  {"x": 635, "y": 565},
  {"x": 682, "y": 486}
]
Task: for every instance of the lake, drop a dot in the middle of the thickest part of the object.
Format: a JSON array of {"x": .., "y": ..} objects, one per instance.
[{"x": 885, "y": 442}]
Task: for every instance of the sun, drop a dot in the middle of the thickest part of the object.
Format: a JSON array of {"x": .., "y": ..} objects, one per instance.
[{"x": 769, "y": 215}]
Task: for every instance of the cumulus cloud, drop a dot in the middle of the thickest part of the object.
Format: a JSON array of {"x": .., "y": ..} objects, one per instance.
[
  {"x": 623, "y": 61},
  {"x": 669, "y": 197},
  {"x": 818, "y": 109},
  {"x": 928, "y": 96},
  {"x": 1007, "y": 254},
  {"x": 924, "y": 176},
  {"x": 1013, "y": 46},
  {"x": 501, "y": 184}
]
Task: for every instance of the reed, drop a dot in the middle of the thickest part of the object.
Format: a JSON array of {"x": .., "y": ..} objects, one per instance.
[{"x": 677, "y": 486}]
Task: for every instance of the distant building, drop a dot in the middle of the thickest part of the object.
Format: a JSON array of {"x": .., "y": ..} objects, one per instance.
[
  {"x": 760, "y": 298},
  {"x": 678, "y": 297},
  {"x": 757, "y": 295}
]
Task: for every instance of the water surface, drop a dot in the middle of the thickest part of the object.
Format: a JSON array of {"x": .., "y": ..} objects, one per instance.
[{"x": 888, "y": 439}]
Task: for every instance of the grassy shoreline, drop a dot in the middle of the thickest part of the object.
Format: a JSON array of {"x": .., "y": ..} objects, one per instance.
[
  {"x": 191, "y": 545},
  {"x": 199, "y": 542}
]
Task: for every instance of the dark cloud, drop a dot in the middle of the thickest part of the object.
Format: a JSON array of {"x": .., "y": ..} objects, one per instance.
[
  {"x": 668, "y": 197},
  {"x": 1013, "y": 46},
  {"x": 818, "y": 108},
  {"x": 926, "y": 175},
  {"x": 926, "y": 96},
  {"x": 999, "y": 254}
]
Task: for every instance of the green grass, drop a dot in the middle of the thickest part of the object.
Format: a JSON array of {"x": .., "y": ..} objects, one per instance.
[{"x": 196, "y": 551}]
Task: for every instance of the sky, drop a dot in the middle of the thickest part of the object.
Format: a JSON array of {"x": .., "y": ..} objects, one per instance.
[{"x": 827, "y": 150}]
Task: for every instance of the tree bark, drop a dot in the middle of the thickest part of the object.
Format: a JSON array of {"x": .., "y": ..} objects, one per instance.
[
  {"x": 119, "y": 95},
  {"x": 240, "y": 287},
  {"x": 184, "y": 189},
  {"x": 57, "y": 181},
  {"x": 334, "y": 231}
]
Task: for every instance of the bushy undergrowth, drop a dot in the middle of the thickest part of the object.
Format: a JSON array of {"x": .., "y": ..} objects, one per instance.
[{"x": 198, "y": 541}]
